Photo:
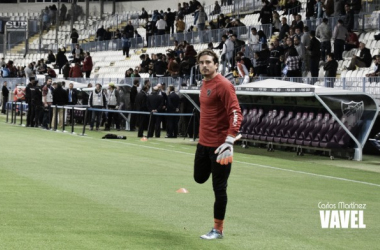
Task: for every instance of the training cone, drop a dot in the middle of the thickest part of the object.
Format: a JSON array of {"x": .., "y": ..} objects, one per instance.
[
  {"x": 182, "y": 191},
  {"x": 144, "y": 139}
]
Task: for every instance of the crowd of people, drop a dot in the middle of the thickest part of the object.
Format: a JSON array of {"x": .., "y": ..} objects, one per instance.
[{"x": 42, "y": 100}]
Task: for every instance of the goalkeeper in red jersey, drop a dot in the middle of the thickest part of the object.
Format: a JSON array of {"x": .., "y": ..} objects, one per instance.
[{"x": 220, "y": 120}]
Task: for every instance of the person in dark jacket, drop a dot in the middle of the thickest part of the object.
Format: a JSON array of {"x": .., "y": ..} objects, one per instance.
[
  {"x": 59, "y": 99},
  {"x": 172, "y": 107},
  {"x": 315, "y": 54},
  {"x": 51, "y": 57},
  {"x": 74, "y": 37},
  {"x": 28, "y": 98},
  {"x": 61, "y": 58},
  {"x": 141, "y": 105},
  {"x": 75, "y": 72},
  {"x": 266, "y": 16},
  {"x": 363, "y": 60},
  {"x": 100, "y": 33},
  {"x": 160, "y": 66},
  {"x": 284, "y": 28},
  {"x": 37, "y": 104},
  {"x": 132, "y": 98},
  {"x": 330, "y": 69},
  {"x": 155, "y": 103},
  {"x": 87, "y": 64},
  {"x": 349, "y": 18},
  {"x": 5, "y": 94}
]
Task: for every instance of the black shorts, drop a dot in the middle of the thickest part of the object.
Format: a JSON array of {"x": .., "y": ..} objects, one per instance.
[{"x": 205, "y": 164}]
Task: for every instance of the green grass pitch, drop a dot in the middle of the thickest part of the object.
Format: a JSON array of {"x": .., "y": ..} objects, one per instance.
[{"x": 63, "y": 191}]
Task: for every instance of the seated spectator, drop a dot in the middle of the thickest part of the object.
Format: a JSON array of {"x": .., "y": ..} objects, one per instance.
[
  {"x": 117, "y": 34},
  {"x": 377, "y": 68},
  {"x": 41, "y": 68},
  {"x": 76, "y": 71},
  {"x": 217, "y": 9},
  {"x": 135, "y": 73},
  {"x": 144, "y": 14},
  {"x": 352, "y": 41},
  {"x": 364, "y": 60},
  {"x": 66, "y": 70},
  {"x": 77, "y": 53},
  {"x": 51, "y": 72},
  {"x": 128, "y": 72},
  {"x": 51, "y": 57},
  {"x": 262, "y": 37}
]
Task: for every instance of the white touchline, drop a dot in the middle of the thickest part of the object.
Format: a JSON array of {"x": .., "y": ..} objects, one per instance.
[
  {"x": 242, "y": 162},
  {"x": 259, "y": 165}
]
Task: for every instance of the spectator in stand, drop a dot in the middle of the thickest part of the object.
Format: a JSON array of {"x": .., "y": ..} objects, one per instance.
[
  {"x": 170, "y": 16},
  {"x": 100, "y": 33},
  {"x": 314, "y": 55},
  {"x": 262, "y": 37},
  {"x": 61, "y": 58},
  {"x": 260, "y": 68},
  {"x": 66, "y": 70},
  {"x": 74, "y": 38},
  {"x": 129, "y": 29},
  {"x": 180, "y": 25},
  {"x": 301, "y": 50},
  {"x": 144, "y": 14},
  {"x": 126, "y": 44},
  {"x": 329, "y": 7},
  {"x": 319, "y": 9},
  {"x": 242, "y": 69},
  {"x": 356, "y": 5},
  {"x": 138, "y": 37},
  {"x": 339, "y": 8},
  {"x": 161, "y": 26},
  {"x": 323, "y": 32},
  {"x": 200, "y": 18},
  {"x": 305, "y": 38},
  {"x": 221, "y": 21},
  {"x": 117, "y": 35},
  {"x": 30, "y": 73},
  {"x": 75, "y": 71},
  {"x": 160, "y": 66},
  {"x": 352, "y": 41},
  {"x": 266, "y": 16},
  {"x": 310, "y": 11},
  {"x": 292, "y": 63},
  {"x": 293, "y": 7},
  {"x": 284, "y": 28},
  {"x": 227, "y": 53},
  {"x": 5, "y": 95},
  {"x": 51, "y": 72},
  {"x": 349, "y": 19},
  {"x": 254, "y": 40},
  {"x": 217, "y": 9},
  {"x": 276, "y": 22},
  {"x": 77, "y": 53},
  {"x": 135, "y": 73},
  {"x": 42, "y": 68},
  {"x": 364, "y": 60},
  {"x": 377, "y": 68},
  {"x": 87, "y": 64},
  {"x": 330, "y": 69},
  {"x": 51, "y": 57},
  {"x": 62, "y": 13},
  {"x": 339, "y": 36},
  {"x": 299, "y": 23},
  {"x": 128, "y": 72}
]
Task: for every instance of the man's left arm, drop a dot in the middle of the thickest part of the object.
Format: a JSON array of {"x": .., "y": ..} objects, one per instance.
[{"x": 232, "y": 107}]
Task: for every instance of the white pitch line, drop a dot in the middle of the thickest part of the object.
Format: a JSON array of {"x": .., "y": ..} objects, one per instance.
[{"x": 248, "y": 163}]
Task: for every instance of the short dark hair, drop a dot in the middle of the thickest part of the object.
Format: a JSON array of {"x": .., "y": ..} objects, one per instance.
[
  {"x": 136, "y": 81},
  {"x": 312, "y": 33},
  {"x": 171, "y": 88},
  {"x": 305, "y": 28},
  {"x": 325, "y": 20},
  {"x": 208, "y": 52},
  {"x": 331, "y": 55}
]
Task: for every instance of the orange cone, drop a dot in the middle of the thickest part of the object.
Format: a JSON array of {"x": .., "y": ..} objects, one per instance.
[
  {"x": 144, "y": 139},
  {"x": 182, "y": 191}
]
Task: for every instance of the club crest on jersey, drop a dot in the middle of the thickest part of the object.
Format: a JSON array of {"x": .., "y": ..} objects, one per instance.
[{"x": 208, "y": 92}]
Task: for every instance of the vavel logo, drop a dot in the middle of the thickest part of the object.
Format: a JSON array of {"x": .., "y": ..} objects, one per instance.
[{"x": 342, "y": 215}]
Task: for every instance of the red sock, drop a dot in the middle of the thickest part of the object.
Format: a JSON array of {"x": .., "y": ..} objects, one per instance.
[{"x": 218, "y": 225}]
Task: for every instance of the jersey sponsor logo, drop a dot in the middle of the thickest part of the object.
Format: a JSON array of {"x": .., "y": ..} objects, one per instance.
[{"x": 208, "y": 92}]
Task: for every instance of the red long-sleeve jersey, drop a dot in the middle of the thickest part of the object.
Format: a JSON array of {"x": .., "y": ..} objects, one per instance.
[{"x": 220, "y": 112}]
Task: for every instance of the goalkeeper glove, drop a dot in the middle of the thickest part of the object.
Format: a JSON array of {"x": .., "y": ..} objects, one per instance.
[{"x": 225, "y": 151}]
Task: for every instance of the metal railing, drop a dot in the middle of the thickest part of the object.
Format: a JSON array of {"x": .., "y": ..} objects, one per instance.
[{"x": 206, "y": 36}]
